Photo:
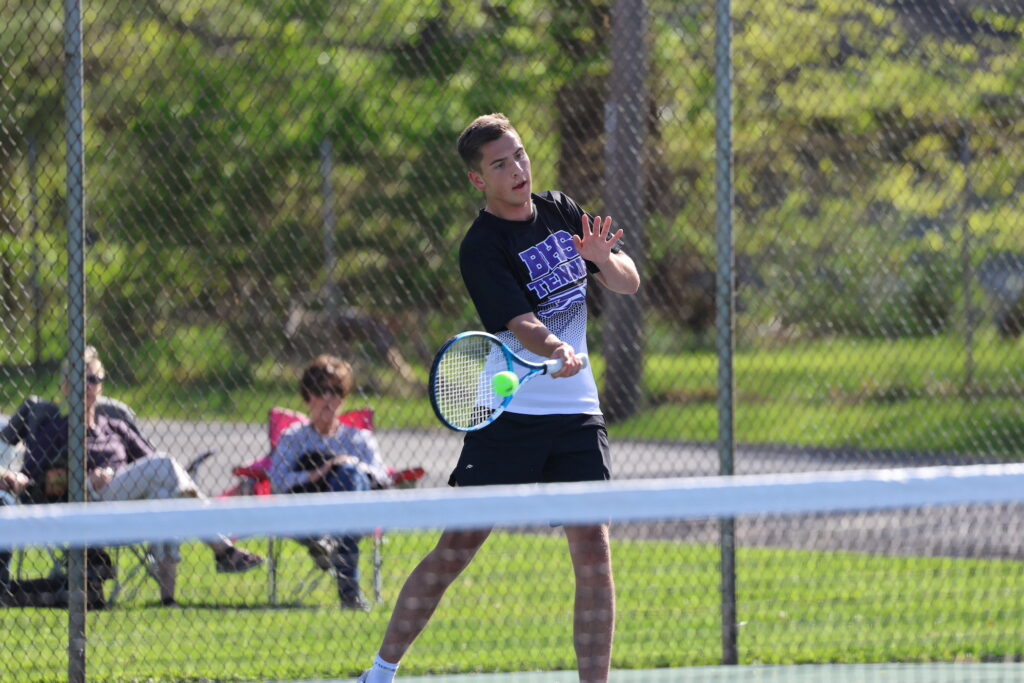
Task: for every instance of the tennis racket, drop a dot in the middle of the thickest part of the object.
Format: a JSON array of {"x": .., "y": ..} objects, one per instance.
[{"x": 460, "y": 379}]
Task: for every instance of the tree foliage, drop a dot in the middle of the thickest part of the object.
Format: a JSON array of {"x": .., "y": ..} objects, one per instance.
[{"x": 871, "y": 137}]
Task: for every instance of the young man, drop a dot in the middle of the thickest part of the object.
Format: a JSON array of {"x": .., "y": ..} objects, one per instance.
[{"x": 524, "y": 262}]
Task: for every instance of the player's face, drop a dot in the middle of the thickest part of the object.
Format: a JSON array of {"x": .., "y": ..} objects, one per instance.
[{"x": 504, "y": 177}]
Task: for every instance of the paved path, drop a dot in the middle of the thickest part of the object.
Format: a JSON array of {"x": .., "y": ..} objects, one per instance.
[
  {"x": 954, "y": 532},
  {"x": 437, "y": 450},
  {"x": 993, "y": 532}
]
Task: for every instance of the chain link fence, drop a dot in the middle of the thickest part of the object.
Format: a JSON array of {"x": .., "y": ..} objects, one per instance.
[{"x": 268, "y": 181}]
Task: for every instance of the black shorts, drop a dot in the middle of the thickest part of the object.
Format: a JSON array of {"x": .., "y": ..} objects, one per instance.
[{"x": 534, "y": 449}]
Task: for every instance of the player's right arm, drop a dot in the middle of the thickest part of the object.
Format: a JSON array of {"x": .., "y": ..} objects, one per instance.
[
  {"x": 502, "y": 302},
  {"x": 537, "y": 338}
]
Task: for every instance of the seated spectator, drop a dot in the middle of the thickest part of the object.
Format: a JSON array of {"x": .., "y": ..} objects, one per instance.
[
  {"x": 121, "y": 465},
  {"x": 325, "y": 455}
]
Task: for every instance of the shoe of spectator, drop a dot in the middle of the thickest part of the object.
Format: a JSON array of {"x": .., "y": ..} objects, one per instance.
[
  {"x": 101, "y": 566},
  {"x": 237, "y": 561},
  {"x": 321, "y": 549},
  {"x": 356, "y": 604}
]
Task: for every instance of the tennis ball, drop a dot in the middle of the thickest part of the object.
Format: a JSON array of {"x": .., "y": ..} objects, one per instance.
[{"x": 505, "y": 383}]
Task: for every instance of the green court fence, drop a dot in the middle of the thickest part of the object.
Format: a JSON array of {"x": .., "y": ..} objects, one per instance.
[{"x": 248, "y": 185}]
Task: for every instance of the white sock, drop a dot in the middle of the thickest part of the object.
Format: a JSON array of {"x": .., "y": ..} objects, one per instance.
[{"x": 382, "y": 672}]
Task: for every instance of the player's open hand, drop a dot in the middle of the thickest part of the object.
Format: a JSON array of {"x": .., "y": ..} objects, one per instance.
[{"x": 597, "y": 241}]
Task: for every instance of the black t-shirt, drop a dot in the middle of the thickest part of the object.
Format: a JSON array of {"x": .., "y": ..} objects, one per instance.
[{"x": 516, "y": 267}]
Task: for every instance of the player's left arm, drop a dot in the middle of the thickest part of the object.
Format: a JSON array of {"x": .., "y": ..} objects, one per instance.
[{"x": 617, "y": 271}]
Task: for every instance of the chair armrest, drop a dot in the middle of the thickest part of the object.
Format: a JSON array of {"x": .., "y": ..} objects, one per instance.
[
  {"x": 251, "y": 472},
  {"x": 407, "y": 478}
]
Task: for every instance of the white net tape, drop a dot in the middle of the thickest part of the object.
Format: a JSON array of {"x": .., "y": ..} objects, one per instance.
[{"x": 622, "y": 501}]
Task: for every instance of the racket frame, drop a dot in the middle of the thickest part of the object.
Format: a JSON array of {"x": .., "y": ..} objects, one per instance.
[{"x": 511, "y": 361}]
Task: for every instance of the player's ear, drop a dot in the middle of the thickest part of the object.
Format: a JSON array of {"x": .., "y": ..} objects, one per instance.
[{"x": 477, "y": 180}]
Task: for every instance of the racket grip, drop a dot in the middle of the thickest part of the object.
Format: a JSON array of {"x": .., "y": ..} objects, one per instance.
[{"x": 557, "y": 364}]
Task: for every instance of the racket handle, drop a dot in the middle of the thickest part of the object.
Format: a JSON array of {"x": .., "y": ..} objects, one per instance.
[{"x": 555, "y": 365}]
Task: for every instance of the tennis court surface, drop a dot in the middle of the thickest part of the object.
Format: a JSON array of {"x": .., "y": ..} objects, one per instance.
[
  {"x": 953, "y": 605},
  {"x": 833, "y": 673}
]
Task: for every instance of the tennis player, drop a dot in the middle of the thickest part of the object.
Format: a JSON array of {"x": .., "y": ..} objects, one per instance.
[{"x": 525, "y": 262}]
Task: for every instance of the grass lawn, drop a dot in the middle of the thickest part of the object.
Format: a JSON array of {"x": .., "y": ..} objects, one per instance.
[
  {"x": 511, "y": 611},
  {"x": 902, "y": 395}
]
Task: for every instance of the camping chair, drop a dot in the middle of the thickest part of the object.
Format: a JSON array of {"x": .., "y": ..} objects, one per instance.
[
  {"x": 21, "y": 431},
  {"x": 254, "y": 479}
]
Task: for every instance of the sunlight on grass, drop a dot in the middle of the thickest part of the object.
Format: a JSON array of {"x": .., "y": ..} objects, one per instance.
[
  {"x": 511, "y": 611},
  {"x": 903, "y": 394}
]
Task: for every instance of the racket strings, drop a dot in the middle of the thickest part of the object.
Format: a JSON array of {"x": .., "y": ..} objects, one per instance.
[{"x": 462, "y": 388}]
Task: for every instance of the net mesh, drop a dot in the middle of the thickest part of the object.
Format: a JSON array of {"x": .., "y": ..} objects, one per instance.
[{"x": 842, "y": 568}]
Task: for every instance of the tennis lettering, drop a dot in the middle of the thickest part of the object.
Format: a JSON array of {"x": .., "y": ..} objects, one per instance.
[
  {"x": 553, "y": 264},
  {"x": 562, "y": 276},
  {"x": 541, "y": 258}
]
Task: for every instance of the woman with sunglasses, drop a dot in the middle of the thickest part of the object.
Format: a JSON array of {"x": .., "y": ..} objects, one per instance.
[
  {"x": 121, "y": 465},
  {"x": 325, "y": 455}
]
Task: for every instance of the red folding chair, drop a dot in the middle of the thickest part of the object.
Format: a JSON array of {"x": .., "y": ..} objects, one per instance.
[{"x": 254, "y": 480}]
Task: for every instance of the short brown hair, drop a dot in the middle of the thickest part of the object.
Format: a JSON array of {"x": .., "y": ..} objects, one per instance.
[
  {"x": 326, "y": 372},
  {"x": 484, "y": 129}
]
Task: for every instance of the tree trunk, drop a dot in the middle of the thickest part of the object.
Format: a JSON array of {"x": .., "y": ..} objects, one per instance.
[{"x": 626, "y": 125}]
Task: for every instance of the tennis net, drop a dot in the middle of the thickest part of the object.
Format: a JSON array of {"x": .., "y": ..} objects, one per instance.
[{"x": 835, "y": 568}]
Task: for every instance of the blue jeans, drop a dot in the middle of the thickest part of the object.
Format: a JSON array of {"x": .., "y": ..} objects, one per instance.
[
  {"x": 5, "y": 572},
  {"x": 5, "y": 555},
  {"x": 347, "y": 478},
  {"x": 346, "y": 560}
]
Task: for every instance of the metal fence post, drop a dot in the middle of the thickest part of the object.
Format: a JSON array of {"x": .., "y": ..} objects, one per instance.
[
  {"x": 37, "y": 296},
  {"x": 329, "y": 227},
  {"x": 75, "y": 132},
  {"x": 967, "y": 263},
  {"x": 626, "y": 130},
  {"x": 724, "y": 306}
]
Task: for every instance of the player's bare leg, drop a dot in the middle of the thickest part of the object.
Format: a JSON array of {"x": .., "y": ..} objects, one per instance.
[
  {"x": 594, "y": 620},
  {"x": 425, "y": 587}
]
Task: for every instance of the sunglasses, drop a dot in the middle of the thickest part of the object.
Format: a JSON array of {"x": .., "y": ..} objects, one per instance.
[
  {"x": 94, "y": 379},
  {"x": 323, "y": 392}
]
